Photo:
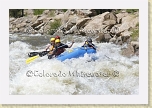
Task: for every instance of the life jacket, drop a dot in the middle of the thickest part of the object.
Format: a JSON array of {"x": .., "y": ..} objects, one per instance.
[
  {"x": 51, "y": 48},
  {"x": 87, "y": 44},
  {"x": 59, "y": 50}
]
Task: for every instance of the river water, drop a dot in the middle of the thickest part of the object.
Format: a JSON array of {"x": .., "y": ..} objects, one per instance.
[{"x": 109, "y": 74}]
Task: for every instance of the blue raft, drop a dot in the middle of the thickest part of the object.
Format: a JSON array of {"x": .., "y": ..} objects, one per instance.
[{"x": 76, "y": 53}]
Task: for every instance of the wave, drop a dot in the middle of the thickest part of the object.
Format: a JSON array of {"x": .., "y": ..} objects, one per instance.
[{"x": 110, "y": 74}]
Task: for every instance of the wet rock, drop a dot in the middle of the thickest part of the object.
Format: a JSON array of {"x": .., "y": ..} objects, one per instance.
[
  {"x": 119, "y": 41},
  {"x": 112, "y": 40},
  {"x": 129, "y": 51}
]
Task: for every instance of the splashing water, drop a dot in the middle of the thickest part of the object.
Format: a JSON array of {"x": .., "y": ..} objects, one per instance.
[{"x": 105, "y": 73}]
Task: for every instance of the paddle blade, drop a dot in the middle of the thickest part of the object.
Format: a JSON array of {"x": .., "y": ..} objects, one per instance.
[
  {"x": 29, "y": 60},
  {"x": 31, "y": 54}
]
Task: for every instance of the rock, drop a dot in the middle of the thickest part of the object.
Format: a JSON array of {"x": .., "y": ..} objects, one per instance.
[
  {"x": 72, "y": 30},
  {"x": 135, "y": 45},
  {"x": 128, "y": 22},
  {"x": 11, "y": 19},
  {"x": 84, "y": 12},
  {"x": 107, "y": 37},
  {"x": 38, "y": 22},
  {"x": 112, "y": 40},
  {"x": 126, "y": 33},
  {"x": 66, "y": 17},
  {"x": 21, "y": 25},
  {"x": 129, "y": 51},
  {"x": 80, "y": 23},
  {"x": 46, "y": 12},
  {"x": 110, "y": 16},
  {"x": 71, "y": 22},
  {"x": 39, "y": 26},
  {"x": 100, "y": 38},
  {"x": 119, "y": 41},
  {"x": 29, "y": 12},
  {"x": 120, "y": 16},
  {"x": 58, "y": 17},
  {"x": 94, "y": 25},
  {"x": 109, "y": 22},
  {"x": 115, "y": 29},
  {"x": 125, "y": 38}
]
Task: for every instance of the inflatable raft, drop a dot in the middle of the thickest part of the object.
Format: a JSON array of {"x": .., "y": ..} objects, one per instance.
[{"x": 76, "y": 53}]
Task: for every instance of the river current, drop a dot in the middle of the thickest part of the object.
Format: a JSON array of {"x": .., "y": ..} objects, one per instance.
[{"x": 109, "y": 74}]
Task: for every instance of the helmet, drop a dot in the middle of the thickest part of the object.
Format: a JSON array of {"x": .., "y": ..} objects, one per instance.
[
  {"x": 57, "y": 37},
  {"x": 89, "y": 40},
  {"x": 52, "y": 39},
  {"x": 57, "y": 40}
]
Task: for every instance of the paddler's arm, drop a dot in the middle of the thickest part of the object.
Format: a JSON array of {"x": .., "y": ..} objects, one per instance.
[
  {"x": 52, "y": 53},
  {"x": 71, "y": 44},
  {"x": 94, "y": 47},
  {"x": 47, "y": 47}
]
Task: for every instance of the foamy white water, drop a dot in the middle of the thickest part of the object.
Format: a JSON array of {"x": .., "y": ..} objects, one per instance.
[{"x": 105, "y": 73}]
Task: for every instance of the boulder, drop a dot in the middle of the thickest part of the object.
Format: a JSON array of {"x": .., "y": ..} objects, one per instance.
[
  {"x": 135, "y": 45},
  {"x": 94, "y": 25},
  {"x": 119, "y": 41},
  {"x": 58, "y": 17},
  {"x": 109, "y": 22},
  {"x": 80, "y": 23},
  {"x": 128, "y": 22},
  {"x": 100, "y": 38},
  {"x": 110, "y": 16},
  {"x": 129, "y": 51},
  {"x": 107, "y": 37},
  {"x": 125, "y": 38},
  {"x": 112, "y": 40}
]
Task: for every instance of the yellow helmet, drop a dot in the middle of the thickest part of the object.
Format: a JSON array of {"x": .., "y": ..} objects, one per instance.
[
  {"x": 52, "y": 39},
  {"x": 57, "y": 40}
]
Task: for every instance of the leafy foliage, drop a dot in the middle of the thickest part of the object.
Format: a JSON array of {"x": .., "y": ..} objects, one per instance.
[
  {"x": 54, "y": 26},
  {"x": 38, "y": 11}
]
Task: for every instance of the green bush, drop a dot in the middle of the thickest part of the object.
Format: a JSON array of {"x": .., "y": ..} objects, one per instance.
[
  {"x": 64, "y": 10},
  {"x": 38, "y": 11},
  {"x": 54, "y": 26},
  {"x": 132, "y": 10},
  {"x": 135, "y": 34}
]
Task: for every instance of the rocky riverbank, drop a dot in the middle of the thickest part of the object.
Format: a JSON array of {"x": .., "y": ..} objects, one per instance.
[{"x": 118, "y": 27}]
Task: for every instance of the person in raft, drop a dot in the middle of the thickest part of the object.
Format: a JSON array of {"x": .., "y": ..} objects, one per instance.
[
  {"x": 57, "y": 37},
  {"x": 59, "y": 48},
  {"x": 88, "y": 43},
  {"x": 51, "y": 46}
]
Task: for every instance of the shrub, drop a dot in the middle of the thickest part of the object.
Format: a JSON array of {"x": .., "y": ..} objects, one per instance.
[
  {"x": 54, "y": 26},
  {"x": 38, "y": 11},
  {"x": 132, "y": 10},
  {"x": 135, "y": 34}
]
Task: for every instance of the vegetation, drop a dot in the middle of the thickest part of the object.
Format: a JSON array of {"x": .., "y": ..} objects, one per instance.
[
  {"x": 64, "y": 10},
  {"x": 54, "y": 26},
  {"x": 38, "y": 11},
  {"x": 135, "y": 34},
  {"x": 16, "y": 13},
  {"x": 127, "y": 10},
  {"x": 131, "y": 10},
  {"x": 52, "y": 13}
]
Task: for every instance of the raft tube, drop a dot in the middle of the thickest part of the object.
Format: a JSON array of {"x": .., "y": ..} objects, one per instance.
[{"x": 76, "y": 53}]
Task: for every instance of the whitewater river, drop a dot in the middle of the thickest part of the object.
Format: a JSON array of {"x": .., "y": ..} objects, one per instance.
[{"x": 109, "y": 73}]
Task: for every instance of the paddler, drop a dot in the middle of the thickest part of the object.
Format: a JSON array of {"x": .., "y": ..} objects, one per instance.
[
  {"x": 57, "y": 37},
  {"x": 59, "y": 48},
  {"x": 51, "y": 46},
  {"x": 88, "y": 43}
]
